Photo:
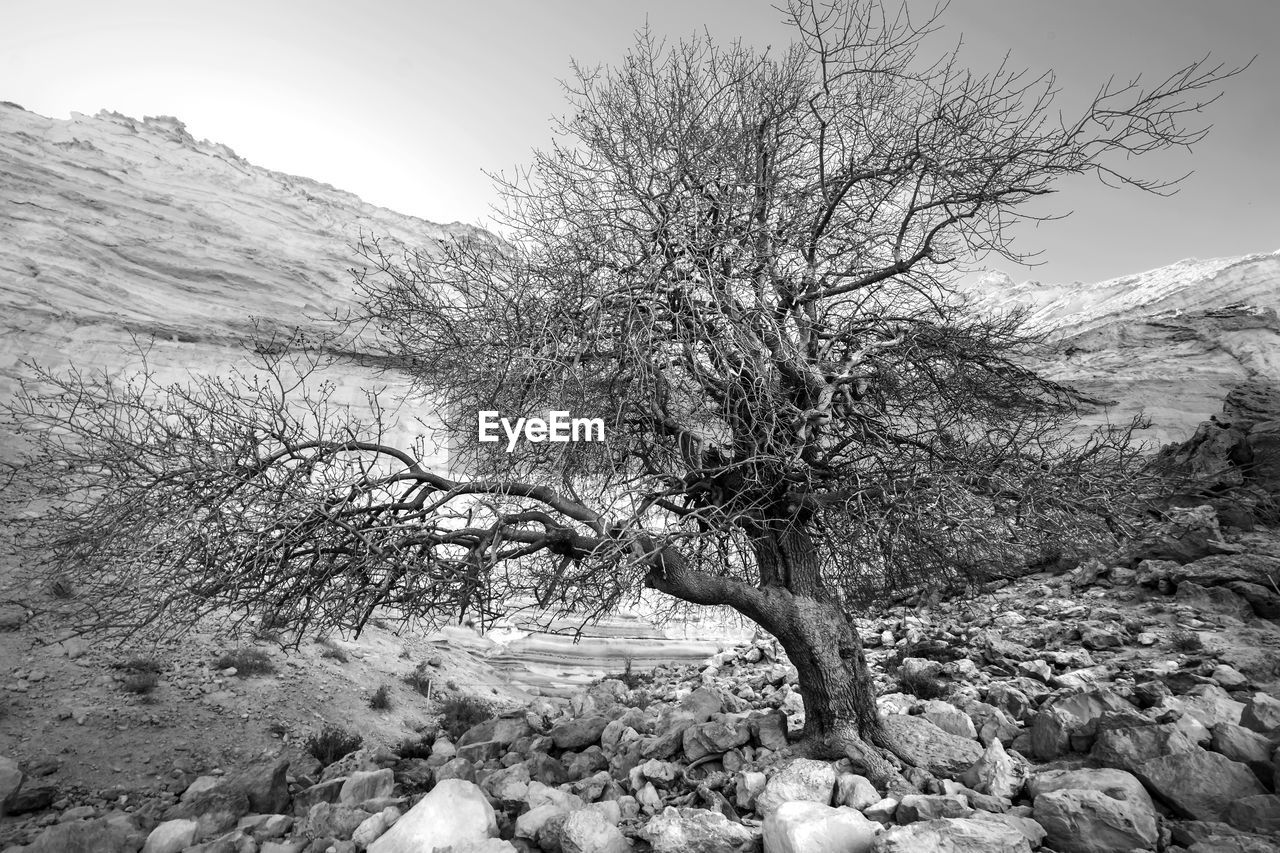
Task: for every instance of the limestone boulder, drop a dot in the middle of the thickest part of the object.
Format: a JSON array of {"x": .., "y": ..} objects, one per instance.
[
  {"x": 918, "y": 807},
  {"x": 216, "y": 810},
  {"x": 454, "y": 812},
  {"x": 509, "y": 786},
  {"x": 694, "y": 831},
  {"x": 267, "y": 786},
  {"x": 1070, "y": 721},
  {"x": 1258, "y": 814},
  {"x": 991, "y": 723},
  {"x": 996, "y": 773},
  {"x": 1076, "y": 820},
  {"x": 1032, "y": 831},
  {"x": 1222, "y": 569},
  {"x": 1199, "y": 784},
  {"x": 504, "y": 731},
  {"x": 578, "y": 732},
  {"x": 10, "y": 782},
  {"x": 928, "y": 747},
  {"x": 1116, "y": 784},
  {"x": 1246, "y": 746},
  {"x": 855, "y": 791},
  {"x": 331, "y": 820},
  {"x": 715, "y": 737},
  {"x": 1219, "y": 600},
  {"x": 801, "y": 779},
  {"x": 367, "y": 785},
  {"x": 949, "y": 718},
  {"x": 589, "y": 831},
  {"x": 1261, "y": 713},
  {"x": 1127, "y": 747},
  {"x": 958, "y": 835},
  {"x": 1264, "y": 600},
  {"x": 172, "y": 836},
  {"x": 805, "y": 827}
]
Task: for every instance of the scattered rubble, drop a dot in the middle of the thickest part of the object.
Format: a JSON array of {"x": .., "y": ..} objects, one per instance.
[{"x": 1104, "y": 709}]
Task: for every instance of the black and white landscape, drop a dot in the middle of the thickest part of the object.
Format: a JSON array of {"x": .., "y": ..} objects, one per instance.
[{"x": 893, "y": 542}]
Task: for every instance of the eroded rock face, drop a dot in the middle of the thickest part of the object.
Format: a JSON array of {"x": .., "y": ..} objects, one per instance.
[
  {"x": 81, "y": 268},
  {"x": 1233, "y": 460},
  {"x": 1215, "y": 318}
]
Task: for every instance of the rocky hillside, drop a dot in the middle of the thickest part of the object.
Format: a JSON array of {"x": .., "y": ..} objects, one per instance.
[
  {"x": 1170, "y": 341},
  {"x": 115, "y": 228}
]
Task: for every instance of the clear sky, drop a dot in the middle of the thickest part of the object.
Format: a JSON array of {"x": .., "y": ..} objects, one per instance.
[{"x": 404, "y": 102}]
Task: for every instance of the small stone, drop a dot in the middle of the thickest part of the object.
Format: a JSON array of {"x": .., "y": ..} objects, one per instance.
[
  {"x": 917, "y": 807},
  {"x": 855, "y": 791},
  {"x": 172, "y": 836}
]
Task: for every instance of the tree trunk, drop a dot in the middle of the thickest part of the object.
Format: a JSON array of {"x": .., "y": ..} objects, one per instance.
[
  {"x": 818, "y": 635},
  {"x": 841, "y": 716}
]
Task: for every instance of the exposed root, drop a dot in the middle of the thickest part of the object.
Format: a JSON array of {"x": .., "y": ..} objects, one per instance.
[{"x": 878, "y": 762}]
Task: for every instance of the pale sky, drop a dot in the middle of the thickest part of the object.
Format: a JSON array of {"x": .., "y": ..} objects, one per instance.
[{"x": 404, "y": 102}]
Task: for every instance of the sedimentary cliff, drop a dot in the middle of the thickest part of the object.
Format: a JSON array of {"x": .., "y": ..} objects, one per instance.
[
  {"x": 115, "y": 229},
  {"x": 1170, "y": 341}
]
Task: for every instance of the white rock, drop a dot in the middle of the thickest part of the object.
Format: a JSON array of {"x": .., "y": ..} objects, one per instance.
[
  {"x": 802, "y": 827},
  {"x": 529, "y": 823},
  {"x": 855, "y": 791},
  {"x": 375, "y": 826},
  {"x": 588, "y": 831},
  {"x": 690, "y": 830},
  {"x": 996, "y": 773},
  {"x": 958, "y": 835},
  {"x": 882, "y": 811},
  {"x": 172, "y": 836},
  {"x": 453, "y": 812},
  {"x": 800, "y": 779}
]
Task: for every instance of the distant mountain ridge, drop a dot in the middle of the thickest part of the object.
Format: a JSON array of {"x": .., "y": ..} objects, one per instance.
[
  {"x": 1170, "y": 341},
  {"x": 114, "y": 227}
]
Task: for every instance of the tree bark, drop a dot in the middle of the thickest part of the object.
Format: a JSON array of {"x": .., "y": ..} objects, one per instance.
[{"x": 815, "y": 630}]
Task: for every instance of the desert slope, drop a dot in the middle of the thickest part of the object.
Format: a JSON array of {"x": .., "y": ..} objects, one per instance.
[
  {"x": 115, "y": 228},
  {"x": 1169, "y": 341}
]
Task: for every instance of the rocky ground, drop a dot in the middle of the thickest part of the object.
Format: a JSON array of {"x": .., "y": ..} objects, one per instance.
[{"x": 1125, "y": 706}]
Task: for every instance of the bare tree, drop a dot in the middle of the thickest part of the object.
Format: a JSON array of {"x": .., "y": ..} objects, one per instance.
[{"x": 744, "y": 263}]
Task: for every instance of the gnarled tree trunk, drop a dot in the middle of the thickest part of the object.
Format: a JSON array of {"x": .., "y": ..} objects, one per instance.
[{"x": 815, "y": 630}]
